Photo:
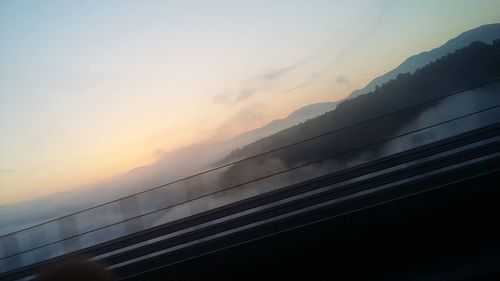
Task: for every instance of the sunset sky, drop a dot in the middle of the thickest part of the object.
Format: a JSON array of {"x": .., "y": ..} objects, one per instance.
[{"x": 91, "y": 89}]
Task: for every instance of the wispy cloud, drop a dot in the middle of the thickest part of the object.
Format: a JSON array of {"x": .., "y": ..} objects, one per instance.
[
  {"x": 6, "y": 171},
  {"x": 247, "y": 118},
  {"x": 298, "y": 87},
  {"x": 350, "y": 48},
  {"x": 234, "y": 96},
  {"x": 254, "y": 85},
  {"x": 342, "y": 80}
]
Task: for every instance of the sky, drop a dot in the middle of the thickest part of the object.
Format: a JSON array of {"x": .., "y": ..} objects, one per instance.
[{"x": 92, "y": 89}]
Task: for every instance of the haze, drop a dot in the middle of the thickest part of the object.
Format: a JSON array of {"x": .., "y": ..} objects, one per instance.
[{"x": 92, "y": 89}]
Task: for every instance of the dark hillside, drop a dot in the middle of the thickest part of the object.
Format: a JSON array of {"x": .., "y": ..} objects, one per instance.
[{"x": 464, "y": 68}]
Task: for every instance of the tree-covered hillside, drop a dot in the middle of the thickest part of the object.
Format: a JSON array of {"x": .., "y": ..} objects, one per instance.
[{"x": 464, "y": 68}]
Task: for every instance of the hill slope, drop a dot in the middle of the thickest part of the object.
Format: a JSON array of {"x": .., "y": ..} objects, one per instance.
[
  {"x": 466, "y": 67},
  {"x": 485, "y": 34},
  {"x": 298, "y": 116}
]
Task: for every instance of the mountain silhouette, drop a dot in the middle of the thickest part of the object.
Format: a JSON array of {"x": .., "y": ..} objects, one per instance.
[
  {"x": 486, "y": 34},
  {"x": 464, "y": 68},
  {"x": 444, "y": 69},
  {"x": 298, "y": 116}
]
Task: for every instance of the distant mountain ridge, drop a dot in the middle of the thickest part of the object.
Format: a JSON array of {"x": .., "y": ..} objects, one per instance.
[
  {"x": 486, "y": 34},
  {"x": 296, "y": 117},
  {"x": 465, "y": 68},
  {"x": 274, "y": 134}
]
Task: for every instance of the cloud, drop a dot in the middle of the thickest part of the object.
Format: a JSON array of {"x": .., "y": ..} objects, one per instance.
[
  {"x": 254, "y": 85},
  {"x": 277, "y": 73},
  {"x": 234, "y": 97},
  {"x": 7, "y": 171},
  {"x": 157, "y": 153},
  {"x": 342, "y": 80},
  {"x": 352, "y": 46},
  {"x": 248, "y": 118},
  {"x": 298, "y": 87}
]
